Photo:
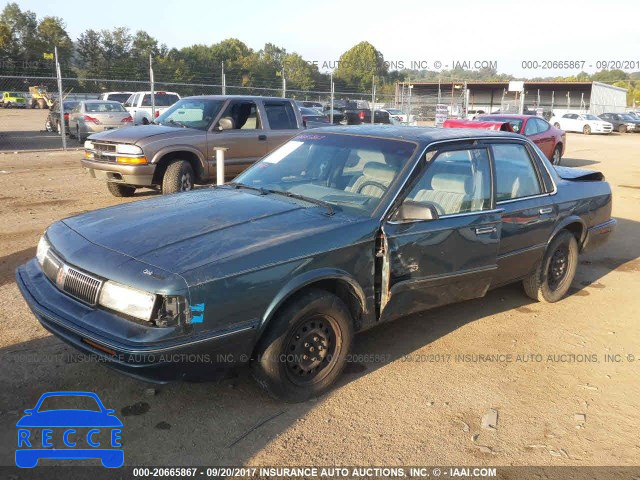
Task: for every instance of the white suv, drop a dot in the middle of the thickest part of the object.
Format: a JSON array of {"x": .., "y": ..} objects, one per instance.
[{"x": 139, "y": 105}]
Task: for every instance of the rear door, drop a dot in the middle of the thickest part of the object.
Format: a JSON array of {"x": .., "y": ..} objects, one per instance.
[
  {"x": 246, "y": 142},
  {"x": 453, "y": 257},
  {"x": 524, "y": 194},
  {"x": 282, "y": 122}
]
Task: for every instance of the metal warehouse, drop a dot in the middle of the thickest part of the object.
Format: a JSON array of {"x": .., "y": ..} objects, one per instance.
[{"x": 509, "y": 97}]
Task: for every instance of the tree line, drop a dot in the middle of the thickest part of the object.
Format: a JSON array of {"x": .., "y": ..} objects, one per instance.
[{"x": 121, "y": 54}]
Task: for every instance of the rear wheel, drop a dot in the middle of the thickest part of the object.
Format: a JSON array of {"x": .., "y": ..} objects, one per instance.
[
  {"x": 586, "y": 130},
  {"x": 553, "y": 276},
  {"x": 305, "y": 348},
  {"x": 557, "y": 155},
  {"x": 622, "y": 129},
  {"x": 178, "y": 177},
  {"x": 120, "y": 189}
]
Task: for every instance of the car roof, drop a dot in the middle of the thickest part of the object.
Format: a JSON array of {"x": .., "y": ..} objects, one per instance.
[
  {"x": 235, "y": 97},
  {"x": 515, "y": 116},
  {"x": 424, "y": 135}
]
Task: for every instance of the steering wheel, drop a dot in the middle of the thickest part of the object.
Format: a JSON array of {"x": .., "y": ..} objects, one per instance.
[{"x": 366, "y": 183}]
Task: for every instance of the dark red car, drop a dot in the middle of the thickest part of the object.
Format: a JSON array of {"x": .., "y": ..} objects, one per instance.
[{"x": 549, "y": 139}]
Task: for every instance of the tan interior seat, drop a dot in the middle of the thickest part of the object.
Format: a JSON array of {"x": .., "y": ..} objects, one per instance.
[
  {"x": 374, "y": 181},
  {"x": 449, "y": 193}
]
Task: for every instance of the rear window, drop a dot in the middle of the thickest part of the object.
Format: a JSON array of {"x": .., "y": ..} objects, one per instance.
[
  {"x": 281, "y": 115},
  {"x": 69, "y": 402},
  {"x": 118, "y": 97},
  {"x": 104, "y": 107},
  {"x": 161, "y": 99}
]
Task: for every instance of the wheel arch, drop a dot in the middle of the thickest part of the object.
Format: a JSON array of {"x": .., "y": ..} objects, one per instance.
[
  {"x": 183, "y": 152},
  {"x": 338, "y": 282},
  {"x": 573, "y": 224}
]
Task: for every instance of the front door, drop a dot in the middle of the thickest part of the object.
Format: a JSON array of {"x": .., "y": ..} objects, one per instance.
[
  {"x": 452, "y": 257},
  {"x": 245, "y": 140}
]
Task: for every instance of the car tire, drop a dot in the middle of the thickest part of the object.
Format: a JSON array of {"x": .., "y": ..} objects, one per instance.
[
  {"x": 178, "y": 177},
  {"x": 145, "y": 121},
  {"x": 622, "y": 129},
  {"x": 586, "y": 130},
  {"x": 557, "y": 155},
  {"x": 553, "y": 276},
  {"x": 47, "y": 126},
  {"x": 121, "y": 189},
  {"x": 316, "y": 323},
  {"x": 557, "y": 125}
]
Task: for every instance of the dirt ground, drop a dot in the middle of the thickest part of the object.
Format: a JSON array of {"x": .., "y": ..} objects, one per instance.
[{"x": 559, "y": 401}]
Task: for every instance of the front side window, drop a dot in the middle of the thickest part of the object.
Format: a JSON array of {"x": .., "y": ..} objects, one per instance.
[
  {"x": 349, "y": 172},
  {"x": 243, "y": 116},
  {"x": 281, "y": 115},
  {"x": 455, "y": 182},
  {"x": 516, "y": 177}
]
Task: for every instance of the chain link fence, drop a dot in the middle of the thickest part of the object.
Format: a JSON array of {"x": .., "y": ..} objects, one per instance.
[{"x": 30, "y": 123}]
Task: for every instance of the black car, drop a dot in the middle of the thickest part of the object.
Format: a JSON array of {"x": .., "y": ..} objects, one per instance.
[
  {"x": 52, "y": 124},
  {"x": 622, "y": 122},
  {"x": 336, "y": 231},
  {"x": 312, "y": 118}
]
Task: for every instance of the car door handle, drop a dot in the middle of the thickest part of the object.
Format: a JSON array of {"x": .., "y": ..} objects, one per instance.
[
  {"x": 262, "y": 137},
  {"x": 485, "y": 230},
  {"x": 545, "y": 211}
]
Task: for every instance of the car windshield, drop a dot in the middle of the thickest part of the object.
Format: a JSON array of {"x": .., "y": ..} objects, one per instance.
[
  {"x": 67, "y": 402},
  {"x": 308, "y": 111},
  {"x": 347, "y": 171},
  {"x": 196, "y": 113},
  {"x": 104, "y": 107},
  {"x": 394, "y": 111},
  {"x": 515, "y": 123},
  {"x": 588, "y": 116},
  {"x": 14, "y": 94}
]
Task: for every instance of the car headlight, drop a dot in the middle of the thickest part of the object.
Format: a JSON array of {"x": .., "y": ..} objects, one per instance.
[
  {"x": 127, "y": 300},
  {"x": 128, "y": 149},
  {"x": 42, "y": 250},
  {"x": 88, "y": 145}
]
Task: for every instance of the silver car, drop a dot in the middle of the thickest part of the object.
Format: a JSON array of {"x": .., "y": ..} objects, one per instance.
[{"x": 93, "y": 116}]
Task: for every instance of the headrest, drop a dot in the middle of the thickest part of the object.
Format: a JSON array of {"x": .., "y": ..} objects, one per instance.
[
  {"x": 450, "y": 182},
  {"x": 380, "y": 172}
]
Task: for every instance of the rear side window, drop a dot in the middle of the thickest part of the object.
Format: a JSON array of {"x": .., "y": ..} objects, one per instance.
[
  {"x": 281, "y": 115},
  {"x": 516, "y": 177}
]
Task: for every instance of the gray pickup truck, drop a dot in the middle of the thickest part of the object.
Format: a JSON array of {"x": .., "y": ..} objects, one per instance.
[{"x": 179, "y": 149}]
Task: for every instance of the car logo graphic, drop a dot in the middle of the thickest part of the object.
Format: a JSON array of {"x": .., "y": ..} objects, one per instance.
[{"x": 69, "y": 433}]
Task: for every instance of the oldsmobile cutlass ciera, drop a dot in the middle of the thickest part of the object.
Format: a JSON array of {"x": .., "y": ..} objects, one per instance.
[{"x": 336, "y": 231}]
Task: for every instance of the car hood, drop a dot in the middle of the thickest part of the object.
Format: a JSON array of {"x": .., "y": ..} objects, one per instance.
[
  {"x": 182, "y": 232},
  {"x": 69, "y": 418},
  {"x": 134, "y": 135}
]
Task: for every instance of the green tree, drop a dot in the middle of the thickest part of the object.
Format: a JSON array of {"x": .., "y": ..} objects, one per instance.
[
  {"x": 52, "y": 33},
  {"x": 90, "y": 54},
  {"x": 22, "y": 41},
  {"x": 359, "y": 64},
  {"x": 299, "y": 73}
]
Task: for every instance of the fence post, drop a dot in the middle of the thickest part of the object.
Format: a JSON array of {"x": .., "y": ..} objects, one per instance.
[
  {"x": 63, "y": 130},
  {"x": 153, "y": 90},
  {"x": 284, "y": 85},
  {"x": 373, "y": 99},
  {"x": 224, "y": 81},
  {"x": 331, "y": 99}
]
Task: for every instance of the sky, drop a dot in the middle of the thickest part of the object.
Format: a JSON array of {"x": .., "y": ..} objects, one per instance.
[{"x": 506, "y": 32}]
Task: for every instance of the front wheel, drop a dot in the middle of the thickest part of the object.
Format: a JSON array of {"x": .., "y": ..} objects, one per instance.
[
  {"x": 305, "y": 348},
  {"x": 178, "y": 177},
  {"x": 120, "y": 189},
  {"x": 557, "y": 155},
  {"x": 622, "y": 129},
  {"x": 586, "y": 130},
  {"x": 553, "y": 276}
]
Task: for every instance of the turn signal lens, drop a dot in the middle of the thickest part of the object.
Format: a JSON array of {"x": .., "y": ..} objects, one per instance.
[{"x": 132, "y": 160}]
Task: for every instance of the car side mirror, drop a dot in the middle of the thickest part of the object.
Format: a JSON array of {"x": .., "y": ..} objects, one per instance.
[
  {"x": 225, "y": 124},
  {"x": 411, "y": 210}
]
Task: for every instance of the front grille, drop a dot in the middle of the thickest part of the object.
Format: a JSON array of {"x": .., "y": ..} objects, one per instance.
[
  {"x": 81, "y": 286},
  {"x": 104, "y": 152},
  {"x": 70, "y": 280}
]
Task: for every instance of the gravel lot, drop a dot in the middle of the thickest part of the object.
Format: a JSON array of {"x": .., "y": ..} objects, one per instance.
[
  {"x": 23, "y": 130},
  {"x": 567, "y": 407}
]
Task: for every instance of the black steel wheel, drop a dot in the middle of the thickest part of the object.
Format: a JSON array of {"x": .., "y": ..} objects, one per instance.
[{"x": 304, "y": 349}]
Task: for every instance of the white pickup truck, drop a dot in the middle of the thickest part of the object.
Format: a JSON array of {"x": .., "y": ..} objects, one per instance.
[{"x": 139, "y": 105}]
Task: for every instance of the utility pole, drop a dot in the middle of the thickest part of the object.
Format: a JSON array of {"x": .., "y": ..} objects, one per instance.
[
  {"x": 410, "y": 87},
  {"x": 224, "y": 81},
  {"x": 63, "y": 130},
  {"x": 331, "y": 99},
  {"x": 153, "y": 89}
]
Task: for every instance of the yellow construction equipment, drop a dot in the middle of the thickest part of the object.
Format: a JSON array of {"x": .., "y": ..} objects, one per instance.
[{"x": 40, "y": 98}]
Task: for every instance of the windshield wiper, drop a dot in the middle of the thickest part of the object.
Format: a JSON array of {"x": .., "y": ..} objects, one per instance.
[
  {"x": 330, "y": 210},
  {"x": 177, "y": 123},
  {"x": 238, "y": 185}
]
